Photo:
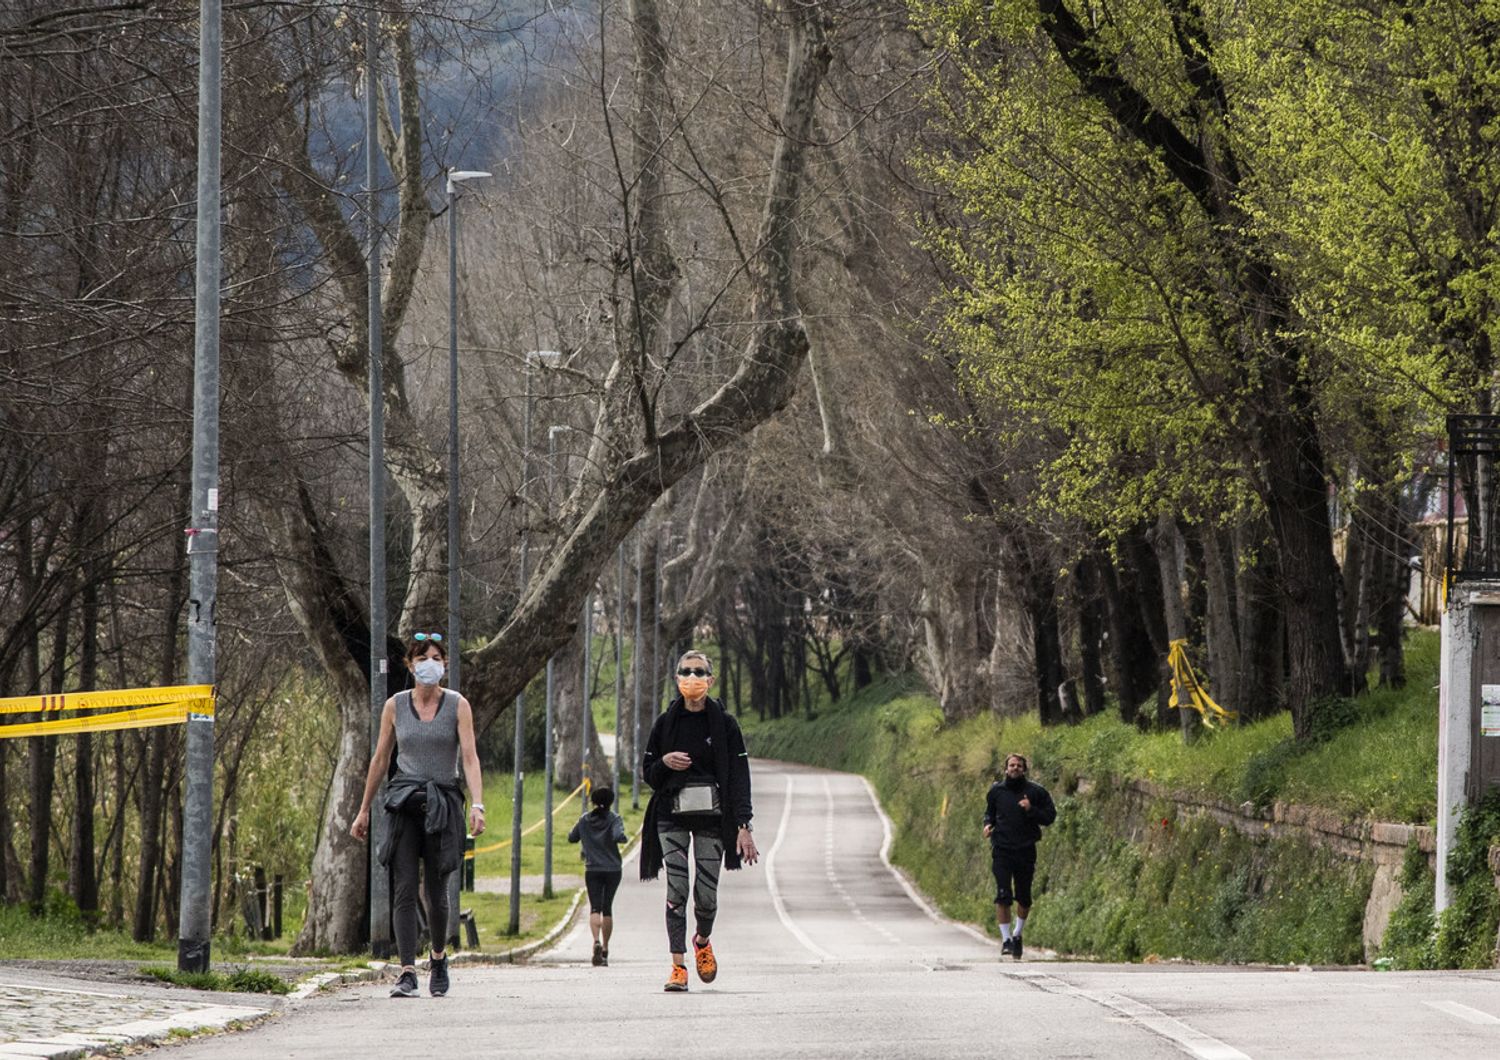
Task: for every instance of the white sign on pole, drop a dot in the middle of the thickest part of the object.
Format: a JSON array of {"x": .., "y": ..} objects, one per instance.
[{"x": 1489, "y": 710}]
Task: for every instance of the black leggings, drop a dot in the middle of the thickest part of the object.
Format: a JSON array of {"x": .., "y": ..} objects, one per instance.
[
  {"x": 602, "y": 886},
  {"x": 416, "y": 843},
  {"x": 708, "y": 856}
]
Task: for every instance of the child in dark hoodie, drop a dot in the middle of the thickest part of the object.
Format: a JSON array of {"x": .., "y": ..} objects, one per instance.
[{"x": 601, "y": 833}]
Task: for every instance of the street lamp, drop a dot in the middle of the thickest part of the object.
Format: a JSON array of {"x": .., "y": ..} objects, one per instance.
[
  {"x": 548, "y": 765},
  {"x": 455, "y": 178},
  {"x": 548, "y": 358}
]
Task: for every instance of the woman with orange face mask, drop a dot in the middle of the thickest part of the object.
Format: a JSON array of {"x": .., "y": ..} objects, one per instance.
[{"x": 699, "y": 772}]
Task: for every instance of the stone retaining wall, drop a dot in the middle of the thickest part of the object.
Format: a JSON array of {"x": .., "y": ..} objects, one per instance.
[{"x": 1378, "y": 843}]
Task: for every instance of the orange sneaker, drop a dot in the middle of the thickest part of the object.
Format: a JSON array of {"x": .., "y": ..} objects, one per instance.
[
  {"x": 704, "y": 955},
  {"x": 677, "y": 982}
]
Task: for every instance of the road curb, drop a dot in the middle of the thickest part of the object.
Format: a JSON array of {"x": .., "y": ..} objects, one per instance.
[{"x": 136, "y": 1032}]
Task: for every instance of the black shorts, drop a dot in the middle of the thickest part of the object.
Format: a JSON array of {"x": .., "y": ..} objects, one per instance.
[
  {"x": 1013, "y": 872},
  {"x": 602, "y": 887}
]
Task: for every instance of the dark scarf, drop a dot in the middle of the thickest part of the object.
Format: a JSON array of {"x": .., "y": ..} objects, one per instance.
[{"x": 661, "y": 798}]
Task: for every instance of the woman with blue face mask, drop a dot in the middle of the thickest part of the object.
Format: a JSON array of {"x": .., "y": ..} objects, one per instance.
[{"x": 430, "y": 731}]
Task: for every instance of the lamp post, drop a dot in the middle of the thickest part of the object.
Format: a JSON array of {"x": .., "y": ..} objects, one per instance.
[
  {"x": 587, "y": 687},
  {"x": 619, "y": 656},
  {"x": 636, "y": 660},
  {"x": 195, "y": 913},
  {"x": 550, "y": 765},
  {"x": 455, "y": 178},
  {"x": 548, "y": 358}
]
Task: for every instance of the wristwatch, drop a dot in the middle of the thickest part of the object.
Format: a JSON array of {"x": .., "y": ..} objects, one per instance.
[
  {"x": 746, "y": 827},
  {"x": 477, "y": 806}
]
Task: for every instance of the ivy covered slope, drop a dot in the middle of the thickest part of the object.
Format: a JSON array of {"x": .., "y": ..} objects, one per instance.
[{"x": 1122, "y": 876}]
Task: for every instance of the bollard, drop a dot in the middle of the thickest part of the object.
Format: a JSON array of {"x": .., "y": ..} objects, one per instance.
[
  {"x": 471, "y": 929},
  {"x": 468, "y": 872},
  {"x": 261, "y": 900}
]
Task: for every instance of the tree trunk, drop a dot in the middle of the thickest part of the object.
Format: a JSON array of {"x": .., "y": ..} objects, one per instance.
[
  {"x": 143, "y": 927},
  {"x": 762, "y": 384},
  {"x": 323, "y": 604},
  {"x": 44, "y": 774},
  {"x": 1089, "y": 602},
  {"x": 1167, "y": 543},
  {"x": 1259, "y": 621},
  {"x": 83, "y": 878},
  {"x": 1222, "y": 634}
]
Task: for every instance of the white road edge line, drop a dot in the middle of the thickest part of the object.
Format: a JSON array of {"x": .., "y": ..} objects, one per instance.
[
  {"x": 1464, "y": 1012},
  {"x": 911, "y": 892},
  {"x": 786, "y": 920},
  {"x": 1194, "y": 1042}
]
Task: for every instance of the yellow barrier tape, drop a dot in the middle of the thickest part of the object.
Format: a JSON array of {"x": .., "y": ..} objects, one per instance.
[
  {"x": 491, "y": 848},
  {"x": 139, "y": 718},
  {"x": 1187, "y": 692},
  {"x": 124, "y": 697}
]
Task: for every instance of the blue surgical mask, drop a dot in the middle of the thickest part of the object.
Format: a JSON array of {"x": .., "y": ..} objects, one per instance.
[{"x": 429, "y": 671}]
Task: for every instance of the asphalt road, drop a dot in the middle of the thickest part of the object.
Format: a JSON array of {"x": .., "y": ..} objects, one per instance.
[{"x": 824, "y": 952}]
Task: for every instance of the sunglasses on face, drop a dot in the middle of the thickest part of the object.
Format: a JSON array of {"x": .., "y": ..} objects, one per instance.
[
  {"x": 694, "y": 671},
  {"x": 436, "y": 638}
]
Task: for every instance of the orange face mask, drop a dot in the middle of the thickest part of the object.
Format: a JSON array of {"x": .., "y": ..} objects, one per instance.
[{"x": 692, "y": 687}]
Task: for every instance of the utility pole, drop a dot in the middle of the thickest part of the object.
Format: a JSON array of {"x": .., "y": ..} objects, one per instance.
[
  {"x": 587, "y": 686},
  {"x": 636, "y": 662},
  {"x": 195, "y": 915},
  {"x": 380, "y": 879},
  {"x": 619, "y": 658}
]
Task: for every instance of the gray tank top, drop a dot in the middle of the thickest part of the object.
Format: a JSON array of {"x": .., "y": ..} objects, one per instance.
[{"x": 428, "y": 749}]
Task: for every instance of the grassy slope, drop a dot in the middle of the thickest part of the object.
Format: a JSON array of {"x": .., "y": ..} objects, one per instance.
[{"x": 1116, "y": 886}]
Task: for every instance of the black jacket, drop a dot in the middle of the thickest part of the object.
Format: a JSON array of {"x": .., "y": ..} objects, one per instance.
[
  {"x": 731, "y": 770},
  {"x": 444, "y": 817},
  {"x": 1015, "y": 828}
]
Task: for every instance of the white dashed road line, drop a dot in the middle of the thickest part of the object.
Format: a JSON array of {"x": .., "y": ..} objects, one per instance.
[
  {"x": 1464, "y": 1012},
  {"x": 1193, "y": 1042},
  {"x": 786, "y": 920}
]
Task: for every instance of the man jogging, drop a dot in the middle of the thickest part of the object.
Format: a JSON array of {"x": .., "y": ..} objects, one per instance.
[{"x": 1015, "y": 812}]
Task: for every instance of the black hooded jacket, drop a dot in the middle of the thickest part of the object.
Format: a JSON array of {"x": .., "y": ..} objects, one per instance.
[
  {"x": 731, "y": 767},
  {"x": 1014, "y": 828}
]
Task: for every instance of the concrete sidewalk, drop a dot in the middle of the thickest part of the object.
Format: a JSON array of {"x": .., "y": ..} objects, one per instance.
[{"x": 46, "y": 1015}]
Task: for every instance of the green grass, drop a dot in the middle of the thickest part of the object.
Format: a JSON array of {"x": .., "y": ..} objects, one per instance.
[
  {"x": 1123, "y": 876},
  {"x": 61, "y": 934},
  {"x": 241, "y": 980},
  {"x": 498, "y": 801},
  {"x": 1383, "y": 764}
]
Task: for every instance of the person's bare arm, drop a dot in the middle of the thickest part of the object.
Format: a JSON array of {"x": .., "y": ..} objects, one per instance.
[
  {"x": 380, "y": 761},
  {"x": 470, "y": 757}
]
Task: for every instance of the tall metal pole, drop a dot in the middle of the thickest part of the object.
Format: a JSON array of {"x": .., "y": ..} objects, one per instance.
[
  {"x": 193, "y": 943},
  {"x": 586, "y": 686},
  {"x": 550, "y": 767},
  {"x": 454, "y": 629},
  {"x": 636, "y": 661},
  {"x": 656, "y": 675},
  {"x": 514, "y": 926},
  {"x": 380, "y": 880},
  {"x": 619, "y": 659}
]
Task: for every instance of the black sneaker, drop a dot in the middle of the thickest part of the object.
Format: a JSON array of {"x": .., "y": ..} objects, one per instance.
[
  {"x": 437, "y": 982},
  {"x": 1006, "y": 947},
  {"x": 1015, "y": 947},
  {"x": 406, "y": 985},
  {"x": 598, "y": 955},
  {"x": 604, "y": 958}
]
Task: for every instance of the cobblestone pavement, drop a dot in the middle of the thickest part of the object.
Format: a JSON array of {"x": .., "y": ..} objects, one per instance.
[{"x": 45, "y": 1015}]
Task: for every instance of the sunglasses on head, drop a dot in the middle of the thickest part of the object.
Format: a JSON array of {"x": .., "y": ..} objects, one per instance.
[
  {"x": 694, "y": 671},
  {"x": 436, "y": 638}
]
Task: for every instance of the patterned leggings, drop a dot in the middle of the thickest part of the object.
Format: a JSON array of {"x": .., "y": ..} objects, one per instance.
[{"x": 708, "y": 853}]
